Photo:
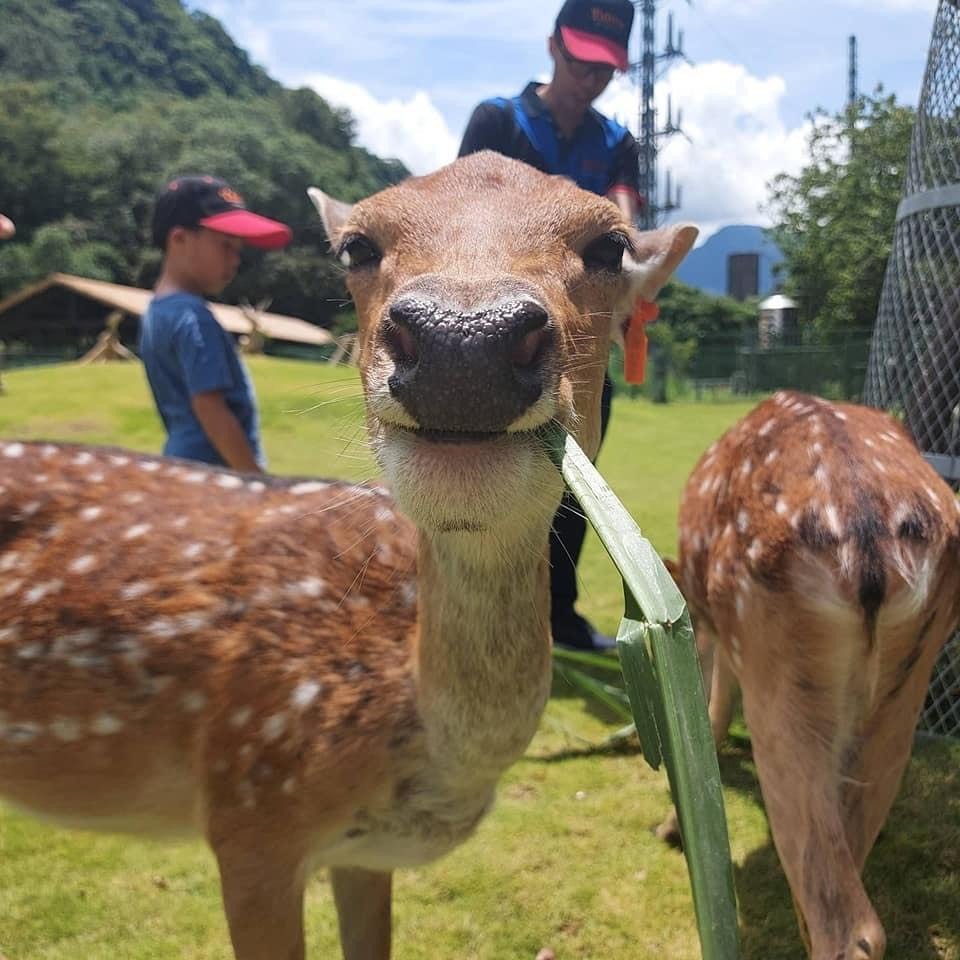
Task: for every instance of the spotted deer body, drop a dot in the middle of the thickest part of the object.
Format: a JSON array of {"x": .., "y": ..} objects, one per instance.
[
  {"x": 319, "y": 674},
  {"x": 820, "y": 556}
]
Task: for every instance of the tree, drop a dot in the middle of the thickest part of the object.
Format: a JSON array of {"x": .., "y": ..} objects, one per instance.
[{"x": 834, "y": 221}]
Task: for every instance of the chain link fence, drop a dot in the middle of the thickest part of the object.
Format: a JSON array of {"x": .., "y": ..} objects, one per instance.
[{"x": 914, "y": 365}]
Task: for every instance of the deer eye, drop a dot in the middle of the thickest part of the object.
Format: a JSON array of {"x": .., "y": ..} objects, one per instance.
[
  {"x": 357, "y": 251},
  {"x": 606, "y": 252}
]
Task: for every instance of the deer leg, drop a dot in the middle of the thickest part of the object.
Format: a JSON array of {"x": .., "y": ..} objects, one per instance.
[
  {"x": 363, "y": 911},
  {"x": 799, "y": 780},
  {"x": 875, "y": 774},
  {"x": 263, "y": 898}
]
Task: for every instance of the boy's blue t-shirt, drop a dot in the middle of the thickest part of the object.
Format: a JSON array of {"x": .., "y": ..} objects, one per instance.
[{"x": 185, "y": 351}]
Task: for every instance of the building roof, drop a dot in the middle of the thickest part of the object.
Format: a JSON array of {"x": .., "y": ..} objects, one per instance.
[{"x": 134, "y": 300}]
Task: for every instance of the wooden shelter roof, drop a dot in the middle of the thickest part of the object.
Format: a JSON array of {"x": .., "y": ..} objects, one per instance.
[{"x": 134, "y": 300}]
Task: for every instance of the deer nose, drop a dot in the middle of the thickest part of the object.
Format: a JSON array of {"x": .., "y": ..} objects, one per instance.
[{"x": 467, "y": 371}]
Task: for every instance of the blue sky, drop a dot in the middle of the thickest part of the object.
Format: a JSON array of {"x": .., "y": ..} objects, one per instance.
[{"x": 411, "y": 71}]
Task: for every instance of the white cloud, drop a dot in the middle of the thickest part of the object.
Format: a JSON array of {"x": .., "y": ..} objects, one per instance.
[
  {"x": 739, "y": 141},
  {"x": 412, "y": 130}
]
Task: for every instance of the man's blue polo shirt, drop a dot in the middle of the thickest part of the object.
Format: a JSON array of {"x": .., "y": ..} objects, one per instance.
[
  {"x": 185, "y": 351},
  {"x": 602, "y": 155}
]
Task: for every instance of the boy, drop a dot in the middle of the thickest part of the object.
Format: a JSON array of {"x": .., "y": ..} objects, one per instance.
[{"x": 202, "y": 391}]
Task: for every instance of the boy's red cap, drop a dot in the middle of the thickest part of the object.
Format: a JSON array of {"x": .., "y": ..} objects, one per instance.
[{"x": 203, "y": 201}]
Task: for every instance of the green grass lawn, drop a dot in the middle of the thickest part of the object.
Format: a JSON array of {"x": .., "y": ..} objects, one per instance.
[{"x": 566, "y": 859}]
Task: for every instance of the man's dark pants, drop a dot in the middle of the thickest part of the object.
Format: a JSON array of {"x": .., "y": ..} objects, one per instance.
[{"x": 566, "y": 542}]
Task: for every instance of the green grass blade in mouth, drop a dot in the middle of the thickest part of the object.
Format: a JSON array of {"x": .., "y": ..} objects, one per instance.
[{"x": 663, "y": 681}]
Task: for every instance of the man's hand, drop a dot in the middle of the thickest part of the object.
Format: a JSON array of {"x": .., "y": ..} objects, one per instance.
[
  {"x": 7, "y": 229},
  {"x": 224, "y": 430}
]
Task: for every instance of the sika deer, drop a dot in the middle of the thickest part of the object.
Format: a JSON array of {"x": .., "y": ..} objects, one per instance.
[
  {"x": 294, "y": 668},
  {"x": 823, "y": 553}
]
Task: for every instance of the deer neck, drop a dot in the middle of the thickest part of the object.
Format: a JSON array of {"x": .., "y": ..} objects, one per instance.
[{"x": 483, "y": 657}]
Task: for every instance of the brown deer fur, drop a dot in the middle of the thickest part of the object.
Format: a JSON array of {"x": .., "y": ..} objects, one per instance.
[
  {"x": 318, "y": 674},
  {"x": 823, "y": 553}
]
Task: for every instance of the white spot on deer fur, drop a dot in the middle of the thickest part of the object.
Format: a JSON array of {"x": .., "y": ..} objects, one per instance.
[
  {"x": 69, "y": 643},
  {"x": 781, "y": 507},
  {"x": 41, "y": 590},
  {"x": 889, "y": 437},
  {"x": 273, "y": 727},
  {"x": 192, "y": 551},
  {"x": 118, "y": 460},
  {"x": 97, "y": 477},
  {"x": 869, "y": 442},
  {"x": 105, "y": 725},
  {"x": 9, "y": 561},
  {"x": 408, "y": 593},
  {"x": 767, "y": 427},
  {"x": 743, "y": 521},
  {"x": 66, "y": 730},
  {"x": 839, "y": 414},
  {"x": 718, "y": 569},
  {"x": 820, "y": 475},
  {"x": 740, "y": 603},
  {"x": 82, "y": 564},
  {"x": 149, "y": 466},
  {"x": 817, "y": 448},
  {"x": 134, "y": 590},
  {"x": 879, "y": 465},
  {"x": 229, "y": 481},
  {"x": 833, "y": 520},
  {"x": 934, "y": 499},
  {"x": 240, "y": 718},
  {"x": 309, "y": 587},
  {"x": 83, "y": 458},
  {"x": 137, "y": 531},
  {"x": 745, "y": 468},
  {"x": 133, "y": 498},
  {"x": 305, "y": 693},
  {"x": 704, "y": 486},
  {"x": 193, "y": 701},
  {"x": 289, "y": 510},
  {"x": 770, "y": 457},
  {"x": 49, "y": 450},
  {"x": 30, "y": 651},
  {"x": 13, "y": 450},
  {"x": 195, "y": 476},
  {"x": 10, "y": 587},
  {"x": 90, "y": 513},
  {"x": 180, "y": 522},
  {"x": 21, "y": 733},
  {"x": 256, "y": 486},
  {"x": 29, "y": 509},
  {"x": 847, "y": 558},
  {"x": 160, "y": 682},
  {"x": 755, "y": 550},
  {"x": 311, "y": 486},
  {"x": 8, "y": 634},
  {"x": 247, "y": 794},
  {"x": 289, "y": 785},
  {"x": 162, "y": 627},
  {"x": 383, "y": 515}
]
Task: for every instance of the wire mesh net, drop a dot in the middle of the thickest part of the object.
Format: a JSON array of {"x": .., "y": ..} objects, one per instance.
[{"x": 914, "y": 366}]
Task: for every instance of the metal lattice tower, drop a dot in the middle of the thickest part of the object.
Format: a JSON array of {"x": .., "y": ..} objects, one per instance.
[
  {"x": 914, "y": 366},
  {"x": 852, "y": 72},
  {"x": 646, "y": 67}
]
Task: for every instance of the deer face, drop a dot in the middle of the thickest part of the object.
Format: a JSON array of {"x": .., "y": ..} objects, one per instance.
[{"x": 486, "y": 295}]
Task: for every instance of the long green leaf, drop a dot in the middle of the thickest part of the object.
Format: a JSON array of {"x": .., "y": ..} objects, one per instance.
[{"x": 662, "y": 678}]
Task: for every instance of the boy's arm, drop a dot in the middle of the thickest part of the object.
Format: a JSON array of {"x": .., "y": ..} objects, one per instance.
[{"x": 224, "y": 430}]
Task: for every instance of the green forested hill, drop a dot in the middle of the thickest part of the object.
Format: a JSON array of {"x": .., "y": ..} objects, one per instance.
[
  {"x": 101, "y": 101},
  {"x": 106, "y": 47}
]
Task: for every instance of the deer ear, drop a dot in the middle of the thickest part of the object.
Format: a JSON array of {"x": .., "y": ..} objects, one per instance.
[
  {"x": 657, "y": 253},
  {"x": 333, "y": 213}
]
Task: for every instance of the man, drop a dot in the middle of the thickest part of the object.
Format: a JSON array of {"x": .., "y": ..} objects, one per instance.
[{"x": 554, "y": 127}]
